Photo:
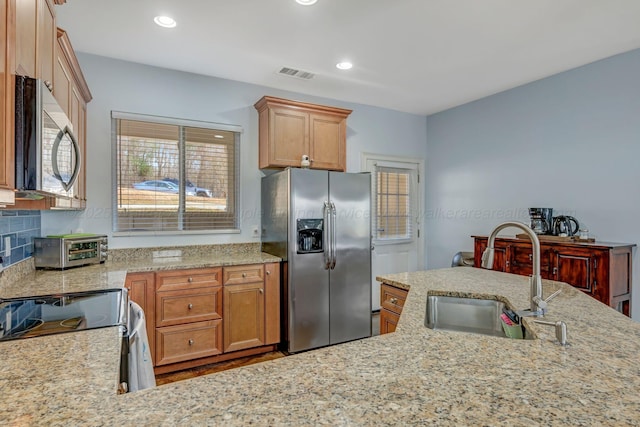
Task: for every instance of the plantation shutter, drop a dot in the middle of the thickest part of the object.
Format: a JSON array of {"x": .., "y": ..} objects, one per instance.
[{"x": 393, "y": 204}]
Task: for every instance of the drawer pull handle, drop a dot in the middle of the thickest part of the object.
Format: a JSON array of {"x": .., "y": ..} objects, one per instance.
[
  {"x": 190, "y": 279},
  {"x": 191, "y": 342},
  {"x": 244, "y": 274},
  {"x": 190, "y": 306},
  {"x": 393, "y": 300}
]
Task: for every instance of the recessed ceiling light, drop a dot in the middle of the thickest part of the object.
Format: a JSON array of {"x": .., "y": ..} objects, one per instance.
[
  {"x": 165, "y": 21},
  {"x": 306, "y": 2},
  {"x": 344, "y": 65}
]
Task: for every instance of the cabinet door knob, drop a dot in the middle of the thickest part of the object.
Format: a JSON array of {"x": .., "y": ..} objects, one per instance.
[
  {"x": 393, "y": 300},
  {"x": 530, "y": 257},
  {"x": 190, "y": 306},
  {"x": 244, "y": 274},
  {"x": 191, "y": 342},
  {"x": 190, "y": 279},
  {"x": 268, "y": 272},
  {"x": 555, "y": 270},
  {"x": 261, "y": 291}
]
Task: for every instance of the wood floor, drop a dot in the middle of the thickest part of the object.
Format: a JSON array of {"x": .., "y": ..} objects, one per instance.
[{"x": 244, "y": 361}]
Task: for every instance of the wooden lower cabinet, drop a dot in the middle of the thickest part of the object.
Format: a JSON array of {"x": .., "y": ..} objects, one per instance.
[
  {"x": 392, "y": 301},
  {"x": 251, "y": 306},
  {"x": 207, "y": 315},
  {"x": 600, "y": 269},
  {"x": 244, "y": 316},
  {"x": 142, "y": 290}
]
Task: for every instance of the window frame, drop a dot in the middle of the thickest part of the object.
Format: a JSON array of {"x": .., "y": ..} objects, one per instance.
[{"x": 237, "y": 129}]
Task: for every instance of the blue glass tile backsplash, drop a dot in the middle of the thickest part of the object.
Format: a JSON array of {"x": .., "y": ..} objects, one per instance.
[{"x": 21, "y": 227}]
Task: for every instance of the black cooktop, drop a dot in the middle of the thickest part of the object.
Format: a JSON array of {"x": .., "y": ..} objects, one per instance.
[{"x": 35, "y": 316}]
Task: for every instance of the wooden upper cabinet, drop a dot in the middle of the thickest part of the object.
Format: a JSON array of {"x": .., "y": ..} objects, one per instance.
[
  {"x": 46, "y": 31},
  {"x": 26, "y": 37},
  {"x": 6, "y": 109},
  {"x": 72, "y": 93},
  {"x": 35, "y": 35},
  {"x": 290, "y": 129}
]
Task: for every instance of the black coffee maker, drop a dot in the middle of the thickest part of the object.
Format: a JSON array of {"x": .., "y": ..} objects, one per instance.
[{"x": 541, "y": 220}]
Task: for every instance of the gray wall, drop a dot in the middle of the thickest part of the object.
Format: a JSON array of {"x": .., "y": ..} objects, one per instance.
[
  {"x": 130, "y": 87},
  {"x": 570, "y": 142}
]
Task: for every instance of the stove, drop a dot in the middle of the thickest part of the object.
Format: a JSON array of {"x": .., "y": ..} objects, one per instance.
[{"x": 35, "y": 316}]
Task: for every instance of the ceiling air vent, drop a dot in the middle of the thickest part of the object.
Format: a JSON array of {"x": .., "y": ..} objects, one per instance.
[{"x": 299, "y": 74}]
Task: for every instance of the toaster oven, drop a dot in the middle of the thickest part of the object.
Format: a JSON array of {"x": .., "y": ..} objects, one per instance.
[{"x": 60, "y": 252}]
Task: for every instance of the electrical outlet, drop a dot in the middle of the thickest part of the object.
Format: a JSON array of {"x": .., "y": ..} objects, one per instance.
[{"x": 255, "y": 231}]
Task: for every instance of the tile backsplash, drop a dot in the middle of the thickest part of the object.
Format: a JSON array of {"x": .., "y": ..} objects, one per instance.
[{"x": 21, "y": 227}]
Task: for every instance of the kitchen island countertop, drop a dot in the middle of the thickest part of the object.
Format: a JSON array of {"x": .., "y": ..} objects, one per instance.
[{"x": 413, "y": 376}]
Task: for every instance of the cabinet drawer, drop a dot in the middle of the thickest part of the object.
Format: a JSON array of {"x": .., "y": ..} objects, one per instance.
[
  {"x": 187, "y": 342},
  {"x": 190, "y": 278},
  {"x": 243, "y": 274},
  {"x": 392, "y": 298},
  {"x": 190, "y": 305}
]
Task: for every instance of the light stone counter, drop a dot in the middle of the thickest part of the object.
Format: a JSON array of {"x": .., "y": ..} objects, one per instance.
[
  {"x": 415, "y": 376},
  {"x": 112, "y": 274}
]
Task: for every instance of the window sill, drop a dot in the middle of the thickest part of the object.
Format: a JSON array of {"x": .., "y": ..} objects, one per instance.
[{"x": 173, "y": 232}]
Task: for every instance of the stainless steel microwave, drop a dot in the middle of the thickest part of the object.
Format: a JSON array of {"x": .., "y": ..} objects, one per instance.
[{"x": 47, "y": 152}]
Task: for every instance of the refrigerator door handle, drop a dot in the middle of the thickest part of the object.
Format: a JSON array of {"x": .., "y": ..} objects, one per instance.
[
  {"x": 326, "y": 235},
  {"x": 333, "y": 236}
]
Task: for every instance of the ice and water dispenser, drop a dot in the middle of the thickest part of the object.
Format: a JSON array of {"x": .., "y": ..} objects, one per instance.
[{"x": 309, "y": 235}]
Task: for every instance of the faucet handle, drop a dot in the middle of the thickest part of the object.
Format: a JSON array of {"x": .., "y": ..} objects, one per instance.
[
  {"x": 542, "y": 304},
  {"x": 553, "y": 295},
  {"x": 561, "y": 330}
]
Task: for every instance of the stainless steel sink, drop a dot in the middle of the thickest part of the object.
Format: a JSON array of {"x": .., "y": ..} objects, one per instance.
[{"x": 478, "y": 316}]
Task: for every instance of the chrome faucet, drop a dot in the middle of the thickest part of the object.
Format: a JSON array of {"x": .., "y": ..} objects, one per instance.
[{"x": 538, "y": 306}]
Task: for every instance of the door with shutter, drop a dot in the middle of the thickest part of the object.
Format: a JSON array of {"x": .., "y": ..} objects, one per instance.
[{"x": 396, "y": 203}]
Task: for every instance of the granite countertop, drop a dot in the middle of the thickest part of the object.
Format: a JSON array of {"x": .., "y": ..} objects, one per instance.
[
  {"x": 112, "y": 274},
  {"x": 415, "y": 376}
]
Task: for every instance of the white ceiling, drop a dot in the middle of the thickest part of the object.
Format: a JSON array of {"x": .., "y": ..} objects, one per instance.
[{"x": 417, "y": 56}]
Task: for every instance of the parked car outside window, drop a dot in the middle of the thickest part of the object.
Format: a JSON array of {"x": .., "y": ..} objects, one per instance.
[
  {"x": 159, "y": 185},
  {"x": 191, "y": 188}
]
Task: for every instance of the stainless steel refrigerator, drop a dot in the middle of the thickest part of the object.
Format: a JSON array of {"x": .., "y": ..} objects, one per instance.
[{"x": 319, "y": 223}]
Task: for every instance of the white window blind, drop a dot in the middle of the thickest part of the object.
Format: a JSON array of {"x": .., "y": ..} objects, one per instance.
[
  {"x": 393, "y": 203},
  {"x": 177, "y": 176}
]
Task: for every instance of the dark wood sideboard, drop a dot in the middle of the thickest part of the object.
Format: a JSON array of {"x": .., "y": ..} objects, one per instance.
[{"x": 599, "y": 269}]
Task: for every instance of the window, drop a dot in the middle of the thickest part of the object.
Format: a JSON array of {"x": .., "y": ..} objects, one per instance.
[
  {"x": 393, "y": 203},
  {"x": 174, "y": 175}
]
